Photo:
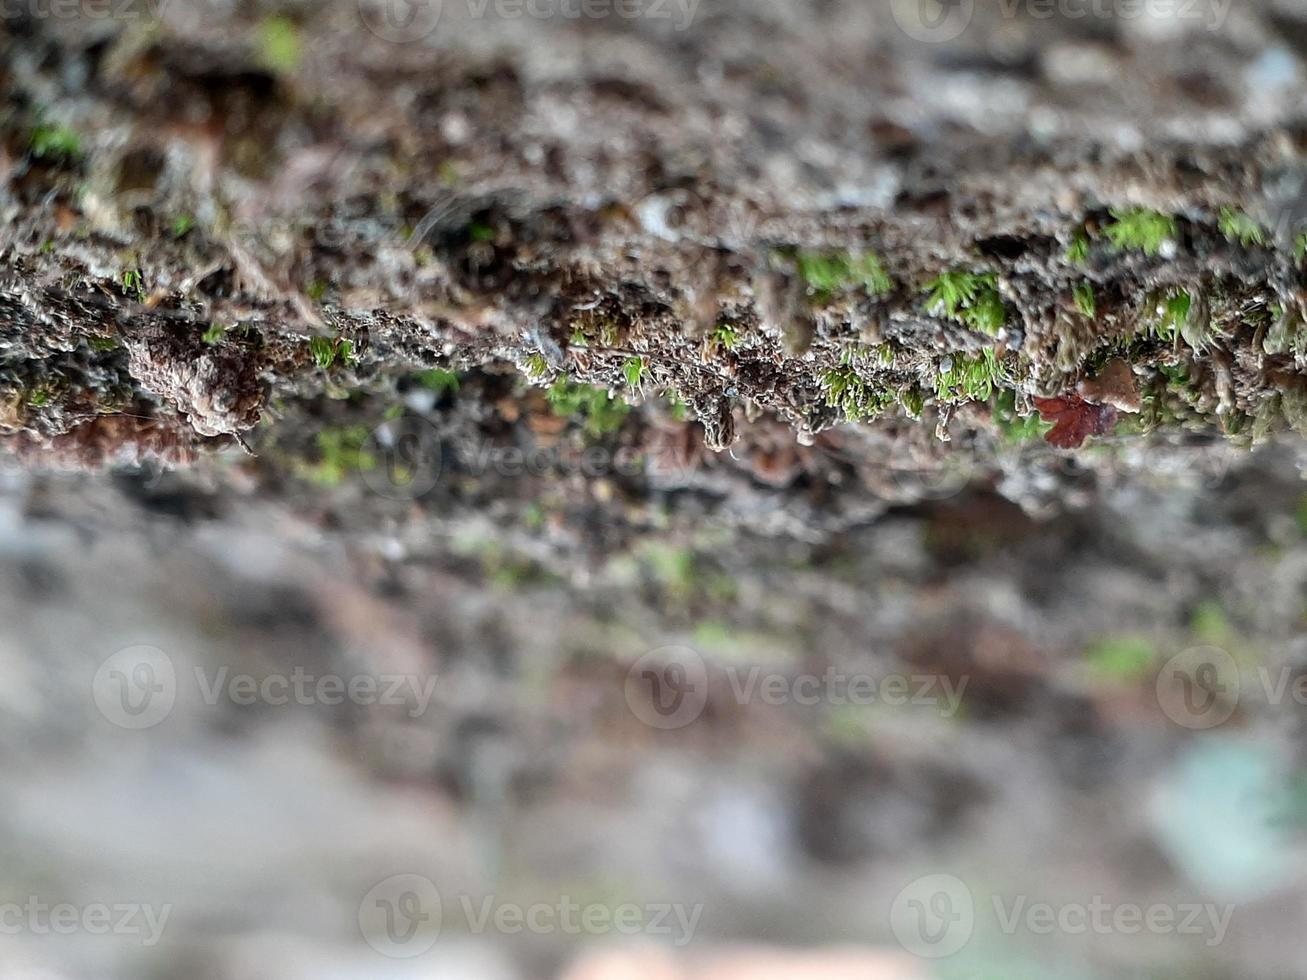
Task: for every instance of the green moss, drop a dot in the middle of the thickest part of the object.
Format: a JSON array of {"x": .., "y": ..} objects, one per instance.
[
  {"x": 479, "y": 231},
  {"x": 1300, "y": 247},
  {"x": 214, "y": 333},
  {"x": 1141, "y": 229},
  {"x": 633, "y": 371},
  {"x": 1121, "y": 658},
  {"x": 676, "y": 404},
  {"x": 844, "y": 389},
  {"x": 327, "y": 351},
  {"x": 1241, "y": 228},
  {"x": 724, "y": 336},
  {"x": 830, "y": 273},
  {"x": 964, "y": 378},
  {"x": 1172, "y": 313},
  {"x": 970, "y": 298},
  {"x": 1209, "y": 624},
  {"x": 51, "y": 141},
  {"x": 340, "y": 453},
  {"x": 439, "y": 380},
  {"x": 181, "y": 225},
  {"x": 1014, "y": 428},
  {"x": 134, "y": 284},
  {"x": 536, "y": 367},
  {"x": 602, "y": 413},
  {"x": 316, "y": 290},
  {"x": 280, "y": 47},
  {"x": 1078, "y": 251},
  {"x": 1085, "y": 300}
]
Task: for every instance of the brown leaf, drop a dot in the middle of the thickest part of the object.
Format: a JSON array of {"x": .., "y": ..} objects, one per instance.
[{"x": 1074, "y": 420}]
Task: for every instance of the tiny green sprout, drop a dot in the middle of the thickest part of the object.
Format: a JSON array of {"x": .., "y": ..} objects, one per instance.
[
  {"x": 280, "y": 47},
  {"x": 844, "y": 389},
  {"x": 134, "y": 284},
  {"x": 1085, "y": 300},
  {"x": 55, "y": 142},
  {"x": 1140, "y": 228},
  {"x": 724, "y": 336},
  {"x": 1078, "y": 251},
  {"x": 828, "y": 273},
  {"x": 579, "y": 338},
  {"x": 1172, "y": 314},
  {"x": 39, "y": 398},
  {"x": 633, "y": 370},
  {"x": 536, "y": 367},
  {"x": 323, "y": 350},
  {"x": 181, "y": 225},
  {"x": 439, "y": 380},
  {"x": 346, "y": 350},
  {"x": 1300, "y": 247},
  {"x": 913, "y": 401},
  {"x": 1240, "y": 227},
  {"x": 214, "y": 333},
  {"x": 479, "y": 231},
  {"x": 964, "y": 378},
  {"x": 971, "y": 298},
  {"x": 316, "y": 290}
]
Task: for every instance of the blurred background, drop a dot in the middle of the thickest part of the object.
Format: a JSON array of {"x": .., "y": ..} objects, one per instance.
[{"x": 804, "y": 711}]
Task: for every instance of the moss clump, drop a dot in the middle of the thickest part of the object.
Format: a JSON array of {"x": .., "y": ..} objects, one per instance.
[
  {"x": 633, "y": 371},
  {"x": 829, "y": 273},
  {"x": 724, "y": 337},
  {"x": 844, "y": 389},
  {"x": 326, "y": 351},
  {"x": 439, "y": 380},
  {"x": 61, "y": 144},
  {"x": 1078, "y": 251},
  {"x": 968, "y": 378},
  {"x": 340, "y": 453},
  {"x": 1013, "y": 427},
  {"x": 971, "y": 298},
  {"x": 603, "y": 413},
  {"x": 1085, "y": 300},
  {"x": 1241, "y": 228},
  {"x": 1140, "y": 228}
]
